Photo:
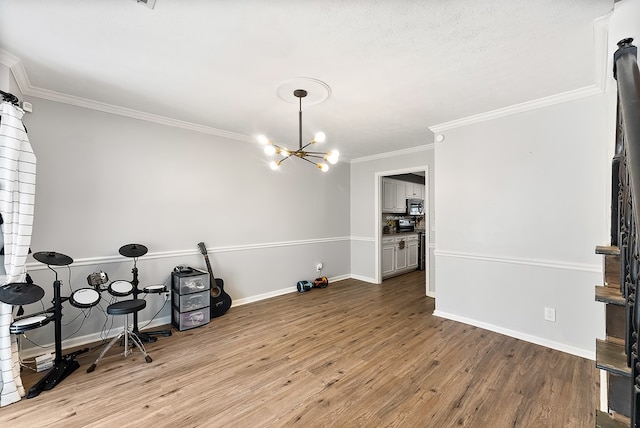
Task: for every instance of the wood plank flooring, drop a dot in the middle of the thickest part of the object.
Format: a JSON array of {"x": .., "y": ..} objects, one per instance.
[{"x": 350, "y": 355}]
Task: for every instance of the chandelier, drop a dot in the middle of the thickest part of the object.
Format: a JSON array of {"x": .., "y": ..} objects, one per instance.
[{"x": 272, "y": 149}]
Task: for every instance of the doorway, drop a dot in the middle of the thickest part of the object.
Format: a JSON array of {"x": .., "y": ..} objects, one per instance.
[{"x": 380, "y": 215}]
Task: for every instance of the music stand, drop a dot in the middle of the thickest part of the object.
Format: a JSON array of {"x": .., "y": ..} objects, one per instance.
[
  {"x": 134, "y": 251},
  {"x": 63, "y": 365}
]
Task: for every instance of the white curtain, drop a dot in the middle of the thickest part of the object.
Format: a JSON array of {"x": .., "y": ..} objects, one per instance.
[{"x": 17, "y": 196}]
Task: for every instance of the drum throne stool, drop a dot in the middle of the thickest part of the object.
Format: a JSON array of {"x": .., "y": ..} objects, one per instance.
[{"x": 125, "y": 307}]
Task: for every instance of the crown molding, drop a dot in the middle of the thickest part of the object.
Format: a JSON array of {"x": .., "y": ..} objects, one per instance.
[
  {"x": 601, "y": 28},
  {"x": 17, "y": 69},
  {"x": 600, "y": 39},
  {"x": 416, "y": 149},
  {"x": 22, "y": 79},
  {"x": 7, "y": 59},
  {"x": 564, "y": 97},
  {"x": 135, "y": 114},
  {"x": 19, "y": 73}
]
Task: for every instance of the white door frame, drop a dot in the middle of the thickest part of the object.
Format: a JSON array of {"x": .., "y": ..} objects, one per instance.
[{"x": 378, "y": 215}]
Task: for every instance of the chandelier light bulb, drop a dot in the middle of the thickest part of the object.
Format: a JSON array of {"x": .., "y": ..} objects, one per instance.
[
  {"x": 274, "y": 165},
  {"x": 285, "y": 153},
  {"x": 332, "y": 157},
  {"x": 320, "y": 137},
  {"x": 262, "y": 139},
  {"x": 269, "y": 150},
  {"x": 323, "y": 167}
]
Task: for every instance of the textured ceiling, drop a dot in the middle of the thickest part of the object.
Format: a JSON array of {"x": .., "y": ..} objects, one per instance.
[{"x": 394, "y": 67}]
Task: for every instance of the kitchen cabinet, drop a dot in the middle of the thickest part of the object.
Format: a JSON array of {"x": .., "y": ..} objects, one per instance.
[
  {"x": 412, "y": 252},
  {"x": 414, "y": 191},
  {"x": 388, "y": 256},
  {"x": 394, "y": 195},
  {"x": 399, "y": 254},
  {"x": 401, "y": 197},
  {"x": 388, "y": 196}
]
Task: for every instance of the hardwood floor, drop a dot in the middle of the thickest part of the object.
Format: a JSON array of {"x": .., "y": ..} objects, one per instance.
[{"x": 350, "y": 355}]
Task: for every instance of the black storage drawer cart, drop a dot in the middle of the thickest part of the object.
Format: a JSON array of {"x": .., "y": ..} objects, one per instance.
[{"x": 190, "y": 299}]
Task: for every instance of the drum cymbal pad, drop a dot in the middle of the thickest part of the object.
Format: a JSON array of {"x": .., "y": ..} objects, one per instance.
[
  {"x": 133, "y": 250},
  {"x": 20, "y": 293},
  {"x": 52, "y": 258}
]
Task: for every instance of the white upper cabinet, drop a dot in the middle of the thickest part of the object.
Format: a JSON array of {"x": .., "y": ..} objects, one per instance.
[
  {"x": 401, "y": 197},
  {"x": 414, "y": 191},
  {"x": 388, "y": 196},
  {"x": 393, "y": 196}
]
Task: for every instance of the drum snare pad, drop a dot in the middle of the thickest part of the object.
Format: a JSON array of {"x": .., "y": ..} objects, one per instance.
[
  {"x": 150, "y": 289},
  {"x": 29, "y": 323},
  {"x": 84, "y": 298},
  {"x": 120, "y": 288}
]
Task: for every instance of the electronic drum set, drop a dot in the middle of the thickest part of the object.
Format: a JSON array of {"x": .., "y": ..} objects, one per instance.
[{"x": 25, "y": 293}]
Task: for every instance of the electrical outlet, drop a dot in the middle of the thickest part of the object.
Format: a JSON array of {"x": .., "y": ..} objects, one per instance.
[
  {"x": 319, "y": 267},
  {"x": 550, "y": 314}
]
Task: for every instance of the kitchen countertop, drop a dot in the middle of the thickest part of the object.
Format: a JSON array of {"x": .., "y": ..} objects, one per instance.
[{"x": 403, "y": 233}]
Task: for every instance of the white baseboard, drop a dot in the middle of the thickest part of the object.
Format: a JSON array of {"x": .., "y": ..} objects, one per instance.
[
  {"x": 280, "y": 292},
  {"x": 584, "y": 353},
  {"x": 361, "y": 278},
  {"x": 258, "y": 297}
]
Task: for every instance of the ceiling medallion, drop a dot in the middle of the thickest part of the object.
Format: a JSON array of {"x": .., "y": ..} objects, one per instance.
[{"x": 317, "y": 90}]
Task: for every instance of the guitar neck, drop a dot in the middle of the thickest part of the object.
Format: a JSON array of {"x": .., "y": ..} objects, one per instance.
[{"x": 206, "y": 259}]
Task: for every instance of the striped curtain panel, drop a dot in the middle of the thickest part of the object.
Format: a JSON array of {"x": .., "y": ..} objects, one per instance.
[{"x": 17, "y": 196}]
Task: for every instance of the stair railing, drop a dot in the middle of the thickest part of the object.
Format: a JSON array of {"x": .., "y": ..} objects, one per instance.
[{"x": 625, "y": 205}]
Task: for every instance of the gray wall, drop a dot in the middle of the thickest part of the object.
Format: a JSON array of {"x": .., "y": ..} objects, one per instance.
[
  {"x": 365, "y": 174},
  {"x": 522, "y": 202},
  {"x": 105, "y": 180}
]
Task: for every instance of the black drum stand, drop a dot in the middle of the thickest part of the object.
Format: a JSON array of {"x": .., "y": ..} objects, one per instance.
[
  {"x": 134, "y": 251},
  {"x": 63, "y": 365}
]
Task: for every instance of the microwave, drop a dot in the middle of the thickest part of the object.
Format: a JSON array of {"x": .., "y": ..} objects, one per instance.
[
  {"x": 415, "y": 207},
  {"x": 405, "y": 225}
]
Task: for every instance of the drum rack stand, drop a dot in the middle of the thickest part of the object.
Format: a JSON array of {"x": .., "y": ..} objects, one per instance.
[
  {"x": 63, "y": 365},
  {"x": 134, "y": 251},
  {"x": 149, "y": 336}
]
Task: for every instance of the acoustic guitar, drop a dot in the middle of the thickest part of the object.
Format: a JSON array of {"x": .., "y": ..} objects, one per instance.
[{"x": 220, "y": 300}]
